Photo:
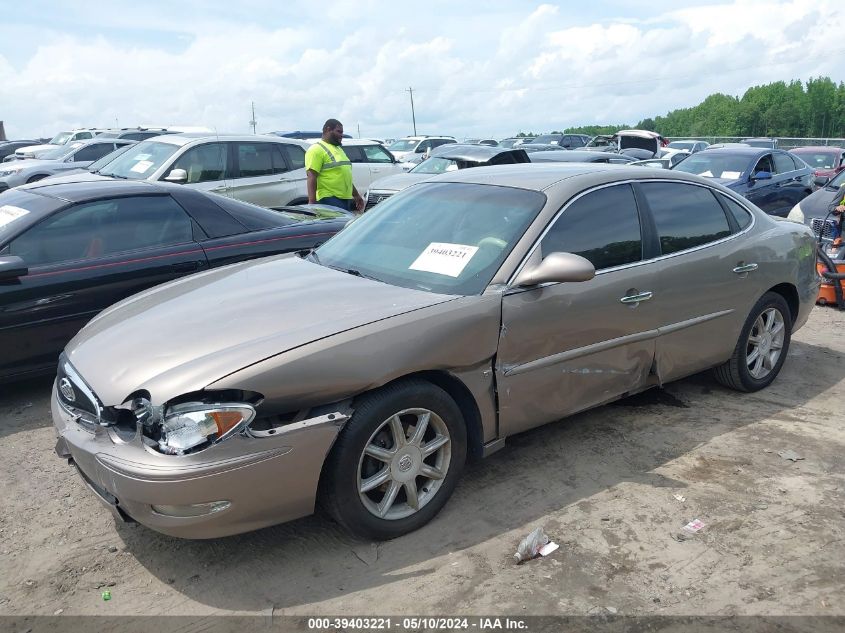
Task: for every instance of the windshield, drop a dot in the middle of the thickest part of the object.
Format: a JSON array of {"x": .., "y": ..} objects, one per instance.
[
  {"x": 97, "y": 165},
  {"x": 714, "y": 166},
  {"x": 403, "y": 145},
  {"x": 819, "y": 160},
  {"x": 141, "y": 161},
  {"x": 838, "y": 181},
  {"x": 681, "y": 145},
  {"x": 508, "y": 142},
  {"x": 435, "y": 165},
  {"x": 440, "y": 237},
  {"x": 58, "y": 152},
  {"x": 61, "y": 138},
  {"x": 547, "y": 138}
]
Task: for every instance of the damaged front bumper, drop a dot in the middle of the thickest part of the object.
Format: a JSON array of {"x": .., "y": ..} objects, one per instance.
[{"x": 241, "y": 484}]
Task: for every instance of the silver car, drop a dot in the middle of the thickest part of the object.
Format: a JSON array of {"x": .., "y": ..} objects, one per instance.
[
  {"x": 265, "y": 170},
  {"x": 463, "y": 310},
  {"x": 57, "y": 161}
]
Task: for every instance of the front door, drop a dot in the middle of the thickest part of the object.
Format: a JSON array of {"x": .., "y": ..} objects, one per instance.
[
  {"x": 569, "y": 346},
  {"x": 207, "y": 167}
]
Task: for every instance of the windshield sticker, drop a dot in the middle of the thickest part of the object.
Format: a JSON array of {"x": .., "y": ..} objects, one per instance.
[
  {"x": 142, "y": 166},
  {"x": 730, "y": 174},
  {"x": 142, "y": 157},
  {"x": 444, "y": 259},
  {"x": 9, "y": 214}
]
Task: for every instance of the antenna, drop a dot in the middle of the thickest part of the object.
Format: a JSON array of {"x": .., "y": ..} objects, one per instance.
[{"x": 253, "y": 122}]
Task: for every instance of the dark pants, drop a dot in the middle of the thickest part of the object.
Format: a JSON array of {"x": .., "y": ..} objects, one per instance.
[{"x": 332, "y": 201}]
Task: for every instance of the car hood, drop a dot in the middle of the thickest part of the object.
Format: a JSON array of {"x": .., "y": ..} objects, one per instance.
[
  {"x": 397, "y": 182},
  {"x": 27, "y": 163},
  {"x": 34, "y": 148},
  {"x": 816, "y": 205},
  {"x": 184, "y": 335}
]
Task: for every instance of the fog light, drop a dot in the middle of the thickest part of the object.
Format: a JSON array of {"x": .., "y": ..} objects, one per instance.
[{"x": 193, "y": 510}]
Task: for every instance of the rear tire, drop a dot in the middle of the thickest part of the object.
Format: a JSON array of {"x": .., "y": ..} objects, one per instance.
[
  {"x": 762, "y": 346},
  {"x": 396, "y": 462}
]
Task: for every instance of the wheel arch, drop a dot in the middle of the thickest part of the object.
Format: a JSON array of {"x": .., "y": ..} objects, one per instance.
[{"x": 790, "y": 295}]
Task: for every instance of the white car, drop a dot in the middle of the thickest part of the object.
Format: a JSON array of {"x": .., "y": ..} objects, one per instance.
[
  {"x": 370, "y": 161},
  {"x": 62, "y": 138},
  {"x": 404, "y": 148},
  {"x": 265, "y": 170}
]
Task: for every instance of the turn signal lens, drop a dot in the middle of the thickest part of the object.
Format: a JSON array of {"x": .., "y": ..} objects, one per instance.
[{"x": 226, "y": 420}]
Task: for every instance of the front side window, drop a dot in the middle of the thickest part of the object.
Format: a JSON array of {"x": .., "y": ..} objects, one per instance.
[
  {"x": 203, "y": 163},
  {"x": 254, "y": 159},
  {"x": 354, "y": 154},
  {"x": 60, "y": 139},
  {"x": 403, "y": 145},
  {"x": 93, "y": 152},
  {"x": 376, "y": 154},
  {"x": 764, "y": 164},
  {"x": 103, "y": 228},
  {"x": 686, "y": 216},
  {"x": 602, "y": 226},
  {"x": 446, "y": 238}
]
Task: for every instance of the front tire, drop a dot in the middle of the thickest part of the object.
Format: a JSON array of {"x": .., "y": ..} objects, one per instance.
[
  {"x": 762, "y": 346},
  {"x": 396, "y": 462}
]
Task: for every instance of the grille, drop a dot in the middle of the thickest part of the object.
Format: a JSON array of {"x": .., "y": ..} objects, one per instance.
[
  {"x": 826, "y": 227},
  {"x": 374, "y": 198}
]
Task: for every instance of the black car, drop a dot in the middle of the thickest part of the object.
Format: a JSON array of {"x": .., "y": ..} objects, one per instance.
[
  {"x": 580, "y": 156},
  {"x": 815, "y": 207},
  {"x": 563, "y": 140},
  {"x": 7, "y": 148},
  {"x": 69, "y": 250}
]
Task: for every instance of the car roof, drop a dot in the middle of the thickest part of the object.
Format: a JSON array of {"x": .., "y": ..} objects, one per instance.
[
  {"x": 739, "y": 150},
  {"x": 83, "y": 191},
  {"x": 359, "y": 141},
  {"x": 191, "y": 137},
  {"x": 816, "y": 148}
]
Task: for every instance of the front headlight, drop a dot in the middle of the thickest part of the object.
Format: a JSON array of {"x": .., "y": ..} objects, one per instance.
[
  {"x": 796, "y": 214},
  {"x": 8, "y": 172},
  {"x": 193, "y": 424}
]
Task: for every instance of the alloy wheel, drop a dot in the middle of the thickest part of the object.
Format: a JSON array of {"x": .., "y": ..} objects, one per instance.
[{"x": 765, "y": 343}]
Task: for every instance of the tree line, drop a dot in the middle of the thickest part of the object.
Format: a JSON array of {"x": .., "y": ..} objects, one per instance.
[{"x": 794, "y": 109}]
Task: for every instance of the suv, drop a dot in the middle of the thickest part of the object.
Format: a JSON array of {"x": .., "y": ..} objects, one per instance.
[
  {"x": 370, "y": 161},
  {"x": 563, "y": 140},
  {"x": 62, "y": 138},
  {"x": 265, "y": 170},
  {"x": 404, "y": 147}
]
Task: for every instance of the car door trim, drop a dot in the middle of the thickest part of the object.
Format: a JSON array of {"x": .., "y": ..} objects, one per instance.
[
  {"x": 681, "y": 325},
  {"x": 633, "y": 182},
  {"x": 578, "y": 352}
]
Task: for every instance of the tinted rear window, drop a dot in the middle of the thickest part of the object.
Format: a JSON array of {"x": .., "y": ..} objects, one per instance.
[
  {"x": 686, "y": 216},
  {"x": 19, "y": 209},
  {"x": 254, "y": 218}
]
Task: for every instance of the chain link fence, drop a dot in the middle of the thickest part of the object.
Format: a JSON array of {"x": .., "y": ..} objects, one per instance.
[{"x": 782, "y": 142}]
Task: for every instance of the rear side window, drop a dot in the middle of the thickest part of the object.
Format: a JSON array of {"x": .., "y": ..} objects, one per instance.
[
  {"x": 742, "y": 217},
  {"x": 602, "y": 226},
  {"x": 295, "y": 155},
  {"x": 783, "y": 163},
  {"x": 254, "y": 159},
  {"x": 686, "y": 216}
]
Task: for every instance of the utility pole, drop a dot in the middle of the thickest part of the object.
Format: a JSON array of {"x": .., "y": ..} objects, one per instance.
[
  {"x": 253, "y": 122},
  {"x": 359, "y": 130},
  {"x": 413, "y": 116}
]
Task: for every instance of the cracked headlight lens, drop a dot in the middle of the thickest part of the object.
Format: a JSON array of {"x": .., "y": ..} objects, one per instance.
[{"x": 189, "y": 425}]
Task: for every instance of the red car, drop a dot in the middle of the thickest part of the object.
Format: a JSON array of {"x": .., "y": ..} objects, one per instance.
[{"x": 826, "y": 161}]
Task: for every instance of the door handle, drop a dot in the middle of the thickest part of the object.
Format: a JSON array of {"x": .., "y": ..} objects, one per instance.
[
  {"x": 185, "y": 267},
  {"x": 643, "y": 296},
  {"x": 745, "y": 268}
]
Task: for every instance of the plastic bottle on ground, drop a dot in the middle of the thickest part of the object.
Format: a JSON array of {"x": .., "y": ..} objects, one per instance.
[{"x": 530, "y": 545}]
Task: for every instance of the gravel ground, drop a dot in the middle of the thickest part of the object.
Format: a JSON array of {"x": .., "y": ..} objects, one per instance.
[{"x": 612, "y": 486}]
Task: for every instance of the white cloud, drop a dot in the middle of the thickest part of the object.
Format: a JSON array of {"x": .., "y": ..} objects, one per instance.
[{"x": 538, "y": 70}]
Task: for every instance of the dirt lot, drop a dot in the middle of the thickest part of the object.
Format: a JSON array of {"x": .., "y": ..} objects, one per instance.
[{"x": 602, "y": 484}]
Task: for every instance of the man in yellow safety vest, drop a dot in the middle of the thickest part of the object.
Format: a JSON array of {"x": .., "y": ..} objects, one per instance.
[{"x": 329, "y": 171}]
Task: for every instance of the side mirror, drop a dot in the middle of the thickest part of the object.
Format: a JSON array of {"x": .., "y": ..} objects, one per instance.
[
  {"x": 179, "y": 176},
  {"x": 762, "y": 175},
  {"x": 821, "y": 181},
  {"x": 12, "y": 267},
  {"x": 557, "y": 268}
]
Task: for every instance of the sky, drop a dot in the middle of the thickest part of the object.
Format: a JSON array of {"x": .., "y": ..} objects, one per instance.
[{"x": 475, "y": 72}]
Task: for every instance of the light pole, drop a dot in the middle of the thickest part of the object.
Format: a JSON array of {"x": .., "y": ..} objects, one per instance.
[{"x": 413, "y": 116}]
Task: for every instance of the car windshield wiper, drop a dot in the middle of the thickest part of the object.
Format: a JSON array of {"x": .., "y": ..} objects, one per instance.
[
  {"x": 113, "y": 175},
  {"x": 353, "y": 272}
]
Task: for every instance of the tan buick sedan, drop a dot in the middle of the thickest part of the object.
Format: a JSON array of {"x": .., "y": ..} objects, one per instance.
[{"x": 464, "y": 309}]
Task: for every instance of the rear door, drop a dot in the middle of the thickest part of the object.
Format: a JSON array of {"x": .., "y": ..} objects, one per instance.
[
  {"x": 707, "y": 281},
  {"x": 83, "y": 259}
]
